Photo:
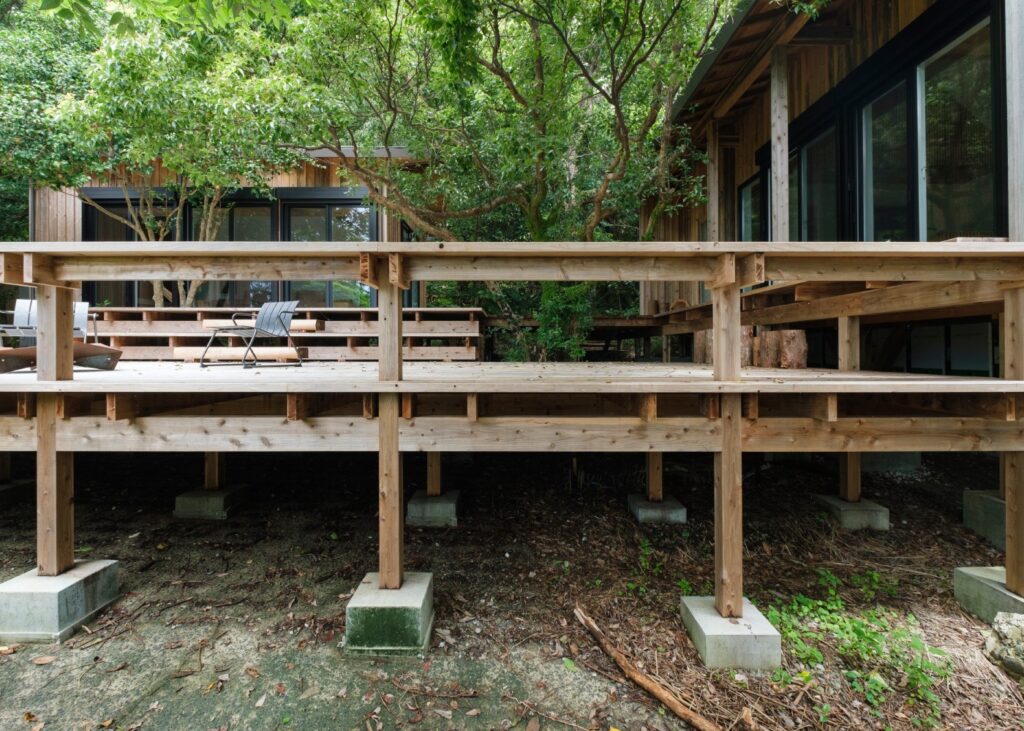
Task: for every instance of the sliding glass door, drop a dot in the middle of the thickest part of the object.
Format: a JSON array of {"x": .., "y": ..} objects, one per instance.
[
  {"x": 329, "y": 222},
  {"x": 956, "y": 139},
  {"x": 885, "y": 178}
]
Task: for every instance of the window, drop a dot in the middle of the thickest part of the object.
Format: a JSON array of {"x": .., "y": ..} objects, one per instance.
[
  {"x": 329, "y": 223},
  {"x": 885, "y": 193},
  {"x": 819, "y": 199},
  {"x": 240, "y": 222},
  {"x": 750, "y": 211},
  {"x": 957, "y": 176}
]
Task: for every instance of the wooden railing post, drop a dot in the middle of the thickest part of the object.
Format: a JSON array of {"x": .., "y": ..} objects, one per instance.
[
  {"x": 780, "y": 144},
  {"x": 849, "y": 360},
  {"x": 55, "y": 514},
  {"x": 392, "y": 519}
]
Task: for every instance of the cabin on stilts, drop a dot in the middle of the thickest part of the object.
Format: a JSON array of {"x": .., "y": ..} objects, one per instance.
[{"x": 833, "y": 210}]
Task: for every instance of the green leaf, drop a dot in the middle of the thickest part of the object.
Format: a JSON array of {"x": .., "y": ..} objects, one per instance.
[{"x": 569, "y": 664}]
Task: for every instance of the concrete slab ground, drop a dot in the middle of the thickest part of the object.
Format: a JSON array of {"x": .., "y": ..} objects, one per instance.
[
  {"x": 390, "y": 621},
  {"x": 207, "y": 504},
  {"x": 985, "y": 514},
  {"x": 667, "y": 512},
  {"x": 900, "y": 462},
  {"x": 748, "y": 643},
  {"x": 37, "y": 608},
  {"x": 437, "y": 511},
  {"x": 861, "y": 515},
  {"x": 981, "y": 590}
]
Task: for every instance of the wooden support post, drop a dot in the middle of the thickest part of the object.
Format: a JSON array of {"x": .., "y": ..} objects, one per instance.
[
  {"x": 729, "y": 511},
  {"x": 714, "y": 169},
  {"x": 215, "y": 471},
  {"x": 727, "y": 356},
  {"x": 849, "y": 360},
  {"x": 391, "y": 503},
  {"x": 655, "y": 477},
  {"x": 1013, "y": 462},
  {"x": 55, "y": 515},
  {"x": 780, "y": 144},
  {"x": 433, "y": 474}
]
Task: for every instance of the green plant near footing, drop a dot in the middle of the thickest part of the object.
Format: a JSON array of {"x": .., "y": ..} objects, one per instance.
[{"x": 883, "y": 650}]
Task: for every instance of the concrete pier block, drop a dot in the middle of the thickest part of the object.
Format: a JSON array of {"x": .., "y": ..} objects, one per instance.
[
  {"x": 207, "y": 504},
  {"x": 438, "y": 511},
  {"x": 669, "y": 511},
  {"x": 390, "y": 621},
  {"x": 36, "y": 608},
  {"x": 861, "y": 515},
  {"x": 985, "y": 514},
  {"x": 748, "y": 643},
  {"x": 981, "y": 590}
]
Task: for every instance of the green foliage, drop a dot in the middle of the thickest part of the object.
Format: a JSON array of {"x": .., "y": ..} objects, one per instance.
[{"x": 882, "y": 650}]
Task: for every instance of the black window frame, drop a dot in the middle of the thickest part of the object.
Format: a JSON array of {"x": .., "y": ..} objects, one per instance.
[{"x": 935, "y": 29}]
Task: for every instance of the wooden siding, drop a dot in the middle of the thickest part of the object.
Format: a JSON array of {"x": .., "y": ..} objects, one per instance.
[
  {"x": 816, "y": 70},
  {"x": 58, "y": 215}
]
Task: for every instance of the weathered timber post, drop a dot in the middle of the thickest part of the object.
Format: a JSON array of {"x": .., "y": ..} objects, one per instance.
[
  {"x": 55, "y": 471},
  {"x": 389, "y": 314}
]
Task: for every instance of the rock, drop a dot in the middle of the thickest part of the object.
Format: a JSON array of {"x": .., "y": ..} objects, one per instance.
[{"x": 1005, "y": 643}]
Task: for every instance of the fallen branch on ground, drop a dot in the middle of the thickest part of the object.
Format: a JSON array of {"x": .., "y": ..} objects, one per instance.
[{"x": 666, "y": 696}]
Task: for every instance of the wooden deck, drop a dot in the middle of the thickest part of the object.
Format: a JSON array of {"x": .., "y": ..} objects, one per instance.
[
  {"x": 486, "y": 377},
  {"x": 392, "y": 406}
]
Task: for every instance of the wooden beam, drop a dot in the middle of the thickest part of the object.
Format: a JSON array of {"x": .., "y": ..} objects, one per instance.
[
  {"x": 368, "y": 271},
  {"x": 397, "y": 274},
  {"x": 784, "y": 31},
  {"x": 214, "y": 470},
  {"x": 780, "y": 144},
  {"x": 472, "y": 407},
  {"x": 210, "y": 268},
  {"x": 750, "y": 270},
  {"x": 655, "y": 477},
  {"x": 729, "y": 511},
  {"x": 391, "y": 502},
  {"x": 559, "y": 269},
  {"x": 433, "y": 474},
  {"x": 892, "y": 270},
  {"x": 12, "y": 269},
  {"x": 121, "y": 406}
]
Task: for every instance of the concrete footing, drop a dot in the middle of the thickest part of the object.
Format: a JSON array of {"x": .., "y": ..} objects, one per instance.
[
  {"x": 36, "y": 608},
  {"x": 669, "y": 511},
  {"x": 748, "y": 643},
  {"x": 981, "y": 590},
  {"x": 207, "y": 504},
  {"x": 436, "y": 511},
  {"x": 985, "y": 514},
  {"x": 390, "y": 621},
  {"x": 861, "y": 515}
]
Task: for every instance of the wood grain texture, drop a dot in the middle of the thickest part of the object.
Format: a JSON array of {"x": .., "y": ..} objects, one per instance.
[
  {"x": 729, "y": 511},
  {"x": 391, "y": 502}
]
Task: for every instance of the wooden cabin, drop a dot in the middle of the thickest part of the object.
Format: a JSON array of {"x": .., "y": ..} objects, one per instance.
[
  {"x": 883, "y": 164},
  {"x": 895, "y": 129}
]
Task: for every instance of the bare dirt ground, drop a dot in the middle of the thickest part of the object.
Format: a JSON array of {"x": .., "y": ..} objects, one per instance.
[{"x": 239, "y": 625}]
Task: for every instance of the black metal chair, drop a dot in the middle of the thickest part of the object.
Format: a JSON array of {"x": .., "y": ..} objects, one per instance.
[{"x": 274, "y": 320}]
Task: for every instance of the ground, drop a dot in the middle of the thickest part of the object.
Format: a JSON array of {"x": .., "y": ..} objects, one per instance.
[{"x": 239, "y": 624}]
